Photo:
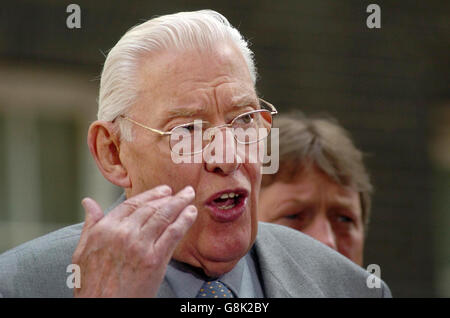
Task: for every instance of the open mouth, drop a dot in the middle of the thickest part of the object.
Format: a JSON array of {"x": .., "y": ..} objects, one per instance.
[
  {"x": 227, "y": 205},
  {"x": 228, "y": 200}
]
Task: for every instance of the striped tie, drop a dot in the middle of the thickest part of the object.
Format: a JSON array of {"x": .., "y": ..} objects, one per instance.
[{"x": 214, "y": 289}]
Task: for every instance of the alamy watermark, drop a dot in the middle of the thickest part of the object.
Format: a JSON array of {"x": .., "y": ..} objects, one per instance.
[
  {"x": 74, "y": 279},
  {"x": 73, "y": 20},
  {"x": 373, "y": 21},
  {"x": 374, "y": 279}
]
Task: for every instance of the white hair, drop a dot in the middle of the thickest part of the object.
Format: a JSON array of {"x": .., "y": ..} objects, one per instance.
[{"x": 182, "y": 31}]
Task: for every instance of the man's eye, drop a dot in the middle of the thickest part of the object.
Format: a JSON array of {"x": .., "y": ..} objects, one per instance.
[
  {"x": 190, "y": 127},
  {"x": 245, "y": 119},
  {"x": 291, "y": 216}
]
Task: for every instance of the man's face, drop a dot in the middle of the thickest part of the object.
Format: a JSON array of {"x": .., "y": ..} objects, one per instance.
[
  {"x": 177, "y": 88},
  {"x": 316, "y": 205}
]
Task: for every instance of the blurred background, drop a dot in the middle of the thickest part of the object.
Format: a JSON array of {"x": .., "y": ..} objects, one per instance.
[{"x": 389, "y": 87}]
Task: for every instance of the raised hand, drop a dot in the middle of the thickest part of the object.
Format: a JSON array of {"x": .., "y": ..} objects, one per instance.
[{"x": 125, "y": 253}]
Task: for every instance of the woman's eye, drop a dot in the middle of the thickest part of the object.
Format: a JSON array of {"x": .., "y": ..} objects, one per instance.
[
  {"x": 344, "y": 219},
  {"x": 300, "y": 216}
]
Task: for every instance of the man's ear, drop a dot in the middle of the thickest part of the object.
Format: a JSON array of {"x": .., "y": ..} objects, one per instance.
[{"x": 104, "y": 145}]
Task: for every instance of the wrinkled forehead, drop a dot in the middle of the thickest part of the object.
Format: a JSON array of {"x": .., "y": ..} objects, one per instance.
[
  {"x": 191, "y": 82},
  {"x": 196, "y": 109}
]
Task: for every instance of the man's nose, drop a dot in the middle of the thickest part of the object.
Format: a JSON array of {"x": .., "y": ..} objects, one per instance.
[
  {"x": 322, "y": 230},
  {"x": 221, "y": 155}
]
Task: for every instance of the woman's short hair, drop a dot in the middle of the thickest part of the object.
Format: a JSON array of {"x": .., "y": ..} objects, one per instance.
[{"x": 322, "y": 142}]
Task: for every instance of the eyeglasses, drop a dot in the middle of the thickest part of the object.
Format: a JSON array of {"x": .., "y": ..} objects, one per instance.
[{"x": 192, "y": 138}]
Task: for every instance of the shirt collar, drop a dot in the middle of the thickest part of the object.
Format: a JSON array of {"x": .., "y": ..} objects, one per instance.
[{"x": 186, "y": 280}]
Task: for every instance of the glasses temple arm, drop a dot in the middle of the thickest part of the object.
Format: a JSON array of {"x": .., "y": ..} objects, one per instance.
[{"x": 145, "y": 127}]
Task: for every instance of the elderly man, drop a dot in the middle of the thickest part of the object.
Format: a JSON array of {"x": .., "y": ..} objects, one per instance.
[
  {"x": 181, "y": 229},
  {"x": 322, "y": 187}
]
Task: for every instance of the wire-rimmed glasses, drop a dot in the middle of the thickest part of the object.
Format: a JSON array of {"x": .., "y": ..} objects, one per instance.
[{"x": 192, "y": 138}]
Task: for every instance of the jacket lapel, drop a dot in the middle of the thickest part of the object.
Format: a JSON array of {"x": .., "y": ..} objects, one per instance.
[{"x": 283, "y": 275}]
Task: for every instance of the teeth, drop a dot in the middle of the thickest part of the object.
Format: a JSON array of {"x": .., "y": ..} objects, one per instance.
[
  {"x": 229, "y": 195},
  {"x": 226, "y": 207}
]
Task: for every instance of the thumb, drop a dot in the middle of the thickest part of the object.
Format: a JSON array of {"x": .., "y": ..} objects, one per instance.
[{"x": 93, "y": 212}]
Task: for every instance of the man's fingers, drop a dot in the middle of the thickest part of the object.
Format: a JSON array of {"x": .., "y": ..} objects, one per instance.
[
  {"x": 165, "y": 212},
  {"x": 129, "y": 206},
  {"x": 93, "y": 212},
  {"x": 175, "y": 231}
]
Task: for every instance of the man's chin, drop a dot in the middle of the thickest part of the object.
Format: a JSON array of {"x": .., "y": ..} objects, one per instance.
[
  {"x": 217, "y": 269},
  {"x": 213, "y": 263},
  {"x": 216, "y": 252}
]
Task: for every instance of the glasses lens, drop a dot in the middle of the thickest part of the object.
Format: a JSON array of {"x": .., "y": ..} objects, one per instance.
[
  {"x": 187, "y": 139},
  {"x": 194, "y": 137},
  {"x": 252, "y": 127}
]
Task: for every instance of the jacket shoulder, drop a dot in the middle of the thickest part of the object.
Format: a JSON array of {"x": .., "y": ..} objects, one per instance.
[
  {"x": 38, "y": 268},
  {"x": 282, "y": 250}
]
